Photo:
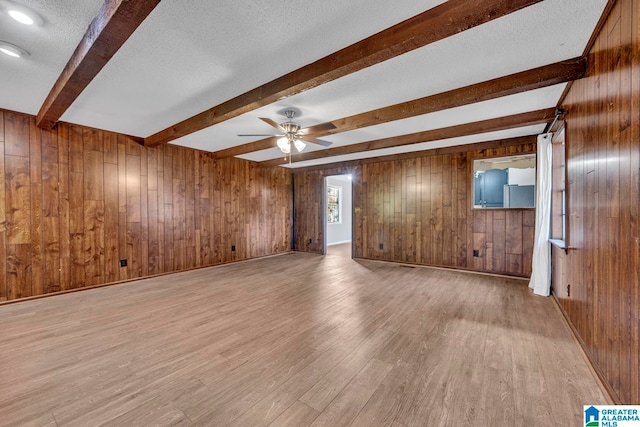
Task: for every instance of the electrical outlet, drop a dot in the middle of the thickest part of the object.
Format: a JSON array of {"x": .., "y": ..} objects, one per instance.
[
  {"x": 380, "y": 246},
  {"x": 476, "y": 253},
  {"x": 123, "y": 263},
  {"x": 233, "y": 248}
]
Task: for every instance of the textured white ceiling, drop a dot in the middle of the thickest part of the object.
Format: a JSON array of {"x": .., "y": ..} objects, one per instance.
[
  {"x": 189, "y": 56},
  {"x": 26, "y": 82}
]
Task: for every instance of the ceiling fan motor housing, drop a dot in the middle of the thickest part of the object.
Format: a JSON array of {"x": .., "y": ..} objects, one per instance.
[{"x": 290, "y": 129}]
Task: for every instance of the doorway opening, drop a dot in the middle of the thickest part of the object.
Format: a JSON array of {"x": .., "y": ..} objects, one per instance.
[{"x": 338, "y": 222}]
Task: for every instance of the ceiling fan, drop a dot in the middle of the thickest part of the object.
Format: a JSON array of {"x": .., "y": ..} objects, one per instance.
[{"x": 293, "y": 135}]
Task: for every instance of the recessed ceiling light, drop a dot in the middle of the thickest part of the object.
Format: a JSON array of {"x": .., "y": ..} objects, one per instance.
[
  {"x": 22, "y": 18},
  {"x": 12, "y": 50},
  {"x": 20, "y": 13}
]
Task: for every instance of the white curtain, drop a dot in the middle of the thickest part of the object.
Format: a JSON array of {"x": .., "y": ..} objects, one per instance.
[{"x": 541, "y": 273}]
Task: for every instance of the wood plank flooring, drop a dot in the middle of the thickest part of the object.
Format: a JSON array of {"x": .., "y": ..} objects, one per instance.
[{"x": 294, "y": 340}]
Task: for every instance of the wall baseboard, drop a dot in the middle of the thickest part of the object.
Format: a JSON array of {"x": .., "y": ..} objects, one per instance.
[
  {"x": 606, "y": 388},
  {"x": 133, "y": 279},
  {"x": 339, "y": 243}
]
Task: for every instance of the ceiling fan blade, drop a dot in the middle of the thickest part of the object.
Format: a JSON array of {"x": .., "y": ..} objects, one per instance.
[
  {"x": 315, "y": 141},
  {"x": 271, "y": 123},
  {"x": 318, "y": 128},
  {"x": 257, "y": 134}
]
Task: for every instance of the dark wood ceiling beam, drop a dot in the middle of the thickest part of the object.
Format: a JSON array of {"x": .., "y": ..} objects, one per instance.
[
  {"x": 484, "y": 126},
  {"x": 440, "y": 22},
  {"x": 536, "y": 78},
  {"x": 108, "y": 31}
]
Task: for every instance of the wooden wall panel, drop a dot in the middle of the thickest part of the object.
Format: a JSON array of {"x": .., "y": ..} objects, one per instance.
[
  {"x": 18, "y": 220},
  {"x": 603, "y": 146},
  {"x": 17, "y": 207},
  {"x": 419, "y": 209},
  {"x": 94, "y": 232},
  {"x": 76, "y": 207},
  {"x": 111, "y": 247},
  {"x": 308, "y": 210},
  {"x": 35, "y": 175},
  {"x": 50, "y": 198},
  {"x": 3, "y": 216},
  {"x": 74, "y": 201},
  {"x": 63, "y": 208}
]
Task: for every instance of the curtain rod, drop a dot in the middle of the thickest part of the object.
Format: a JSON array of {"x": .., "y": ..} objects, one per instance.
[{"x": 559, "y": 112}]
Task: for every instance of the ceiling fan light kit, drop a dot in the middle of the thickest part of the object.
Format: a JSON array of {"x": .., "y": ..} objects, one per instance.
[
  {"x": 299, "y": 144},
  {"x": 284, "y": 145}
]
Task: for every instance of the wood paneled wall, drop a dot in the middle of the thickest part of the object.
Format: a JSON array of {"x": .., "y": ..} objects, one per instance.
[
  {"x": 75, "y": 201},
  {"x": 598, "y": 282},
  {"x": 420, "y": 209}
]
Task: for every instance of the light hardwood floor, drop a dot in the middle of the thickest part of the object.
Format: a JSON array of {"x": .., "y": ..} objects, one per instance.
[{"x": 295, "y": 340}]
